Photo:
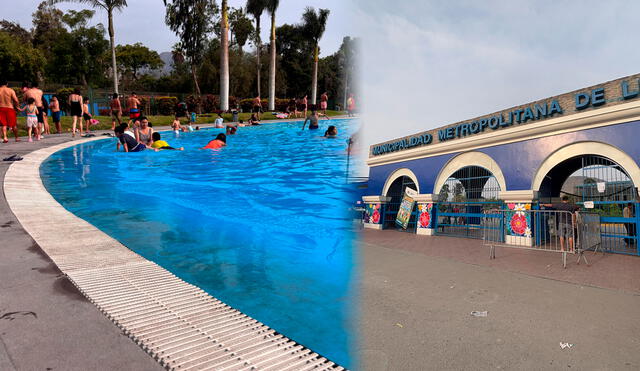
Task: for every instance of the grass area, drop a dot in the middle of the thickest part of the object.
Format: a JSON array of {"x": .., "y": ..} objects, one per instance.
[{"x": 105, "y": 122}]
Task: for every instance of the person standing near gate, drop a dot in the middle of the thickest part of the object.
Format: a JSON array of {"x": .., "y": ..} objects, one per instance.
[
  {"x": 629, "y": 213},
  {"x": 565, "y": 223}
]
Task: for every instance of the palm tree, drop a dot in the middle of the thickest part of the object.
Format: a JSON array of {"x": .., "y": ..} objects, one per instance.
[
  {"x": 224, "y": 59},
  {"x": 255, "y": 8},
  {"x": 109, "y": 6},
  {"x": 272, "y": 6},
  {"x": 313, "y": 26}
]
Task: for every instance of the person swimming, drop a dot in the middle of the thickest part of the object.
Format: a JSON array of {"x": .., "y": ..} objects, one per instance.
[
  {"x": 231, "y": 130},
  {"x": 219, "y": 142},
  {"x": 331, "y": 132},
  {"x": 161, "y": 144}
]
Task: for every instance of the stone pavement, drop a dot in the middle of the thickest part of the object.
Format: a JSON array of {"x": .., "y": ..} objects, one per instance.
[
  {"x": 45, "y": 323},
  {"x": 612, "y": 271},
  {"x": 417, "y": 295}
]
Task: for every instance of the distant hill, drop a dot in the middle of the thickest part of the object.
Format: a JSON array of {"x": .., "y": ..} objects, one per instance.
[{"x": 167, "y": 58}]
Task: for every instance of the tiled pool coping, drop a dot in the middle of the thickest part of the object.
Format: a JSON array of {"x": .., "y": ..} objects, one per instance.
[{"x": 181, "y": 326}]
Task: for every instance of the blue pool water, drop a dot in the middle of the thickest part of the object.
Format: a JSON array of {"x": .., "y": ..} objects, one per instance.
[{"x": 261, "y": 224}]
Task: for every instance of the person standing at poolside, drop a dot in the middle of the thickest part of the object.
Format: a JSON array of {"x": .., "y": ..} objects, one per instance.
[
  {"x": 45, "y": 115},
  {"x": 24, "y": 88},
  {"x": 351, "y": 105},
  {"x": 36, "y": 93},
  {"x": 304, "y": 106},
  {"x": 324, "y": 99},
  {"x": 132, "y": 106},
  {"x": 54, "y": 106},
  {"x": 8, "y": 104},
  {"x": 86, "y": 115},
  {"x": 257, "y": 106},
  {"x": 75, "y": 105},
  {"x": 31, "y": 110},
  {"x": 115, "y": 111},
  {"x": 219, "y": 123}
]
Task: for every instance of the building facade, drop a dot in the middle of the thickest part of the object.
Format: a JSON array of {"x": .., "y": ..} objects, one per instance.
[{"x": 584, "y": 144}]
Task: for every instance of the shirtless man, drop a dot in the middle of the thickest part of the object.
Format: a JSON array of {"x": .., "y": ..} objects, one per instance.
[
  {"x": 116, "y": 111},
  {"x": 36, "y": 94},
  {"x": 8, "y": 103},
  {"x": 132, "y": 105},
  {"x": 324, "y": 98},
  {"x": 54, "y": 106},
  {"x": 257, "y": 106},
  {"x": 313, "y": 120},
  {"x": 304, "y": 105}
]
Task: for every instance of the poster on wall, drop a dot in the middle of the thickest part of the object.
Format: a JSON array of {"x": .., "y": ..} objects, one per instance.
[{"x": 406, "y": 207}]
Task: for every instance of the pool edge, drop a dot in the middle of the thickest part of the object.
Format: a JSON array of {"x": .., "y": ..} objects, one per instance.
[{"x": 176, "y": 323}]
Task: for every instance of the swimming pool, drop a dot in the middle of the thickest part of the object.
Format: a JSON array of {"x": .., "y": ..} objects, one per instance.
[{"x": 262, "y": 224}]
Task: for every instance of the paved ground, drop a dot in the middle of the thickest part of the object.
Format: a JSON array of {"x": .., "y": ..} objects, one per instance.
[
  {"x": 418, "y": 294},
  {"x": 45, "y": 323}
]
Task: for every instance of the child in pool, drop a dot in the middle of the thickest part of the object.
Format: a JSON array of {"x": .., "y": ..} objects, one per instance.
[
  {"x": 161, "y": 144},
  {"x": 175, "y": 125},
  {"x": 219, "y": 142}
]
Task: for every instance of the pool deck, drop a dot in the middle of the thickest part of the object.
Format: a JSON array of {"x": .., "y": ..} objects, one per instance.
[
  {"x": 418, "y": 294},
  {"x": 55, "y": 327},
  {"x": 46, "y": 323}
]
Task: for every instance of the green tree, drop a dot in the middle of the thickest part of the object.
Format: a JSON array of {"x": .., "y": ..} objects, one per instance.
[
  {"x": 47, "y": 27},
  {"x": 272, "y": 6},
  {"x": 191, "y": 21},
  {"x": 18, "y": 59},
  {"x": 241, "y": 27},
  {"x": 255, "y": 8},
  {"x": 109, "y": 6},
  {"x": 133, "y": 58},
  {"x": 295, "y": 65},
  {"x": 16, "y": 31},
  {"x": 313, "y": 26},
  {"x": 85, "y": 46}
]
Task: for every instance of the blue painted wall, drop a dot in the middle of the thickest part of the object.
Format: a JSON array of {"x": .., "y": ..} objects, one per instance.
[{"x": 519, "y": 161}]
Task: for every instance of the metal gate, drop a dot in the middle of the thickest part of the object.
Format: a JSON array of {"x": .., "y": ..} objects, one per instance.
[
  {"x": 614, "y": 197},
  {"x": 468, "y": 203},
  {"x": 396, "y": 192}
]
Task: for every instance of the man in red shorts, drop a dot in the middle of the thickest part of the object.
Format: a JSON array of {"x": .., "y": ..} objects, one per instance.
[
  {"x": 132, "y": 105},
  {"x": 8, "y": 103}
]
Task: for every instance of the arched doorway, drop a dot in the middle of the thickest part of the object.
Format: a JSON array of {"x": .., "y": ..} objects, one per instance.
[
  {"x": 604, "y": 183},
  {"x": 464, "y": 201},
  {"x": 396, "y": 191}
]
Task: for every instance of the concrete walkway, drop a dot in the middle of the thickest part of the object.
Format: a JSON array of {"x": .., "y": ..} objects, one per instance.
[
  {"x": 418, "y": 294},
  {"x": 45, "y": 323}
]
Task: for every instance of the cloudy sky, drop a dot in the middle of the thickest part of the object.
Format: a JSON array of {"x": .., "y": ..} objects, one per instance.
[
  {"x": 143, "y": 20},
  {"x": 429, "y": 63}
]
